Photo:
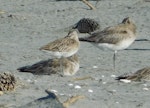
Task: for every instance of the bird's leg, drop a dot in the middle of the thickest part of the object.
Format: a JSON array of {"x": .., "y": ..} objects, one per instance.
[
  {"x": 114, "y": 59},
  {"x": 90, "y": 33},
  {"x": 96, "y": 3},
  {"x": 61, "y": 66}
]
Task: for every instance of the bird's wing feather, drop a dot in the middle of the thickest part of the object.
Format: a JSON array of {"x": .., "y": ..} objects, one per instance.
[
  {"x": 108, "y": 35},
  {"x": 59, "y": 45}
]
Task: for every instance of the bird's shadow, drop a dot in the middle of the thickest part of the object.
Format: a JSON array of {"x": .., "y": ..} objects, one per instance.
[
  {"x": 73, "y": 0},
  {"x": 51, "y": 100},
  {"x": 139, "y": 49},
  {"x": 142, "y": 40},
  {"x": 50, "y": 96}
]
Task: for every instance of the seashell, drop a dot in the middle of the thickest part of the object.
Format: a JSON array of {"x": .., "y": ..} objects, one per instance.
[{"x": 7, "y": 82}]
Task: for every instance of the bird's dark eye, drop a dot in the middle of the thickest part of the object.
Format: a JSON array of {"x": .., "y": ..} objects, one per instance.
[{"x": 124, "y": 31}]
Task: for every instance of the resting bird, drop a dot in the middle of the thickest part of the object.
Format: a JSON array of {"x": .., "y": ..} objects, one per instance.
[
  {"x": 142, "y": 74},
  {"x": 52, "y": 66}
]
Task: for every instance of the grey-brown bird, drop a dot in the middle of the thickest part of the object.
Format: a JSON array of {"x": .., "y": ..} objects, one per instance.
[
  {"x": 63, "y": 47},
  {"x": 52, "y": 66},
  {"x": 142, "y": 74},
  {"x": 115, "y": 38}
]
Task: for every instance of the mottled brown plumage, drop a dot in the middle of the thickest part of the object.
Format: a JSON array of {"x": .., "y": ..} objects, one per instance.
[
  {"x": 115, "y": 38},
  {"x": 63, "y": 47},
  {"x": 52, "y": 66},
  {"x": 142, "y": 74},
  {"x": 113, "y": 34}
]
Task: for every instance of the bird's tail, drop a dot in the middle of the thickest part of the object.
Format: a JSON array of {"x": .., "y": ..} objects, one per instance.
[
  {"x": 88, "y": 39},
  {"x": 121, "y": 77},
  {"x": 132, "y": 77},
  {"x": 24, "y": 69}
]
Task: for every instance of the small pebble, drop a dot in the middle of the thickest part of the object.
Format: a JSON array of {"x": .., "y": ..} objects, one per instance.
[
  {"x": 28, "y": 80},
  {"x": 77, "y": 87},
  {"x": 61, "y": 94},
  {"x": 104, "y": 82},
  {"x": 113, "y": 76},
  {"x": 114, "y": 90},
  {"x": 117, "y": 102},
  {"x": 99, "y": 58},
  {"x": 103, "y": 76},
  {"x": 145, "y": 85},
  {"x": 95, "y": 67},
  {"x": 70, "y": 84},
  {"x": 146, "y": 89},
  {"x": 91, "y": 91},
  {"x": 35, "y": 80}
]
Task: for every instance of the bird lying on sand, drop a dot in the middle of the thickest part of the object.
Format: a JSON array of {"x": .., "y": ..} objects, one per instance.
[
  {"x": 142, "y": 74},
  {"x": 52, "y": 66}
]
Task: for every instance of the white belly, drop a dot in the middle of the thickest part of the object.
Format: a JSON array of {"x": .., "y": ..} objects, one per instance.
[
  {"x": 61, "y": 54},
  {"x": 119, "y": 46}
]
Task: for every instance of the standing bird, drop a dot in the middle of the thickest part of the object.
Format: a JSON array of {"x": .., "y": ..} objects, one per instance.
[
  {"x": 86, "y": 25},
  {"x": 64, "y": 47},
  {"x": 142, "y": 74},
  {"x": 116, "y": 38},
  {"x": 52, "y": 66}
]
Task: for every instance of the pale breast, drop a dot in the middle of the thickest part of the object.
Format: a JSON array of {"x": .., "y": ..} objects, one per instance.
[{"x": 119, "y": 46}]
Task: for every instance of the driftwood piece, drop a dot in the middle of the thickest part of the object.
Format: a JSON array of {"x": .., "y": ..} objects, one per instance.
[
  {"x": 90, "y": 5},
  {"x": 1, "y": 12},
  {"x": 72, "y": 100},
  {"x": 83, "y": 78}
]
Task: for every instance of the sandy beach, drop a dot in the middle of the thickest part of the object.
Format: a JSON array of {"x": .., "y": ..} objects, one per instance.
[{"x": 26, "y": 25}]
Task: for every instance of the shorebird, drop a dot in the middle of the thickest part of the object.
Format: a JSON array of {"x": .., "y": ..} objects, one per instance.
[
  {"x": 52, "y": 66},
  {"x": 86, "y": 25},
  {"x": 63, "y": 47},
  {"x": 115, "y": 38},
  {"x": 142, "y": 74}
]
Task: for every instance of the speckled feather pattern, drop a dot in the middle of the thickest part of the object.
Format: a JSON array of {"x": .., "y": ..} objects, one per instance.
[
  {"x": 68, "y": 44},
  {"x": 52, "y": 66},
  {"x": 58, "y": 45}
]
